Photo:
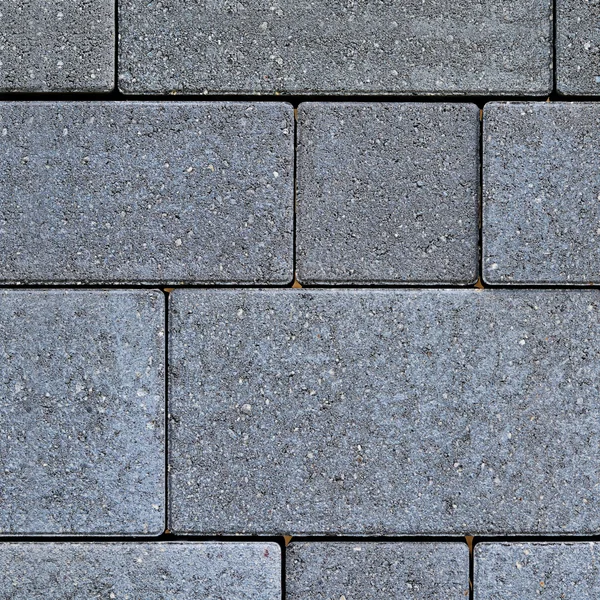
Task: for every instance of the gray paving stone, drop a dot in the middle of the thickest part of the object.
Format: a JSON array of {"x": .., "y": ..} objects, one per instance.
[
  {"x": 371, "y": 571},
  {"x": 82, "y": 412},
  {"x": 578, "y": 47},
  {"x": 388, "y": 193},
  {"x": 152, "y": 571},
  {"x": 332, "y": 47},
  {"x": 541, "y": 193},
  {"x": 57, "y": 45},
  {"x": 536, "y": 570},
  {"x": 384, "y": 412},
  {"x": 155, "y": 193}
]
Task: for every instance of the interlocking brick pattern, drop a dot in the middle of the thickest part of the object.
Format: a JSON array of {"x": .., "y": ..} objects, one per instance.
[{"x": 178, "y": 420}]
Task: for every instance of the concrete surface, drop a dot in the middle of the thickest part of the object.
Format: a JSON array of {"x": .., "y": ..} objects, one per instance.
[
  {"x": 82, "y": 401},
  {"x": 375, "y": 570},
  {"x": 57, "y": 46},
  {"x": 388, "y": 193},
  {"x": 146, "y": 193},
  {"x": 379, "y": 413},
  {"x": 541, "y": 193},
  {"x": 536, "y": 570},
  {"x": 417, "y": 47},
  {"x": 152, "y": 571}
]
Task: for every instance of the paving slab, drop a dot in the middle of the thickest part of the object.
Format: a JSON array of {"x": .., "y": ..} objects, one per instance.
[
  {"x": 388, "y": 193},
  {"x": 146, "y": 192},
  {"x": 578, "y": 47},
  {"x": 57, "y": 45},
  {"x": 374, "y": 570},
  {"x": 417, "y": 47},
  {"x": 153, "y": 571},
  {"x": 384, "y": 412},
  {"x": 534, "y": 570},
  {"x": 82, "y": 397},
  {"x": 541, "y": 193}
]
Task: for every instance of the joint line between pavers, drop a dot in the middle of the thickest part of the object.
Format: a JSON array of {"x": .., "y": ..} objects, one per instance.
[
  {"x": 166, "y": 292},
  {"x": 293, "y": 99}
]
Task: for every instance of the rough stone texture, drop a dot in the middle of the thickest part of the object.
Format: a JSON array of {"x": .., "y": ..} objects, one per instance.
[
  {"x": 537, "y": 570},
  {"x": 82, "y": 412},
  {"x": 155, "y": 571},
  {"x": 57, "y": 45},
  {"x": 371, "y": 571},
  {"x": 541, "y": 193},
  {"x": 333, "y": 47},
  {"x": 129, "y": 192},
  {"x": 384, "y": 412},
  {"x": 578, "y": 47},
  {"x": 388, "y": 193}
]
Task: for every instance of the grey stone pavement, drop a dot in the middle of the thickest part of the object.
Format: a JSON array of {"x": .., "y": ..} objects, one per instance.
[
  {"x": 578, "y": 47},
  {"x": 374, "y": 412},
  {"x": 514, "y": 571},
  {"x": 178, "y": 420},
  {"x": 413, "y": 47},
  {"x": 387, "y": 193},
  {"x": 424, "y": 571},
  {"x": 82, "y": 412},
  {"x": 153, "y": 571},
  {"x": 541, "y": 193},
  {"x": 57, "y": 45},
  {"x": 146, "y": 193}
]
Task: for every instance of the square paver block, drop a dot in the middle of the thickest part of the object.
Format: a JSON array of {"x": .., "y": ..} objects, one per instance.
[
  {"x": 82, "y": 412},
  {"x": 557, "y": 571},
  {"x": 57, "y": 45},
  {"x": 154, "y": 193},
  {"x": 413, "y": 47},
  {"x": 384, "y": 412},
  {"x": 388, "y": 193},
  {"x": 578, "y": 47},
  {"x": 541, "y": 193},
  {"x": 148, "y": 571},
  {"x": 372, "y": 571}
]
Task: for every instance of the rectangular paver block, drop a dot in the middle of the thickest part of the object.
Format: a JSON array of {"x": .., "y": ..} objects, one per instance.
[
  {"x": 578, "y": 47},
  {"x": 57, "y": 45},
  {"x": 82, "y": 412},
  {"x": 384, "y": 412},
  {"x": 388, "y": 193},
  {"x": 515, "y": 571},
  {"x": 371, "y": 571},
  {"x": 330, "y": 47},
  {"x": 158, "y": 192},
  {"x": 541, "y": 193},
  {"x": 155, "y": 571}
]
